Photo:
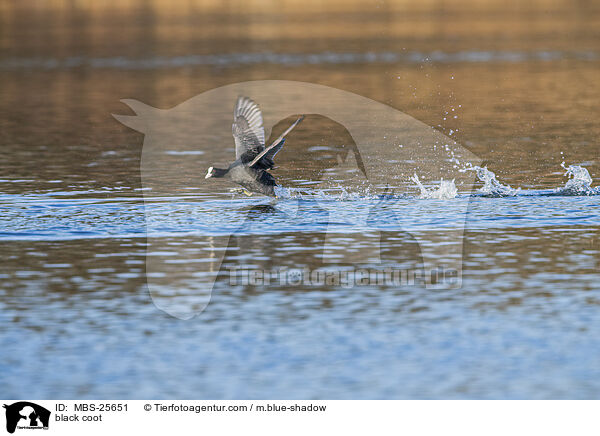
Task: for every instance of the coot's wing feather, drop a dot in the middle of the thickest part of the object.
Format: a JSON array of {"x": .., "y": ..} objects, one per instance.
[
  {"x": 273, "y": 149},
  {"x": 247, "y": 128}
]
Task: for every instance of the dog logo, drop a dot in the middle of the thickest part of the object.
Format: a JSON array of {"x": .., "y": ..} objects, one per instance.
[
  {"x": 384, "y": 147},
  {"x": 26, "y": 415}
]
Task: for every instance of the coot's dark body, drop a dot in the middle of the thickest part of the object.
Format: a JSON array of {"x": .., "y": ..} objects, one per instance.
[
  {"x": 249, "y": 170},
  {"x": 253, "y": 179}
]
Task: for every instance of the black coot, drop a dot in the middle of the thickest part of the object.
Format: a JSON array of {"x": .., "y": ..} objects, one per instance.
[{"x": 252, "y": 158}]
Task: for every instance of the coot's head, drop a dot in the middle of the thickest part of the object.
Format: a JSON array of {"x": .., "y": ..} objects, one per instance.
[{"x": 215, "y": 172}]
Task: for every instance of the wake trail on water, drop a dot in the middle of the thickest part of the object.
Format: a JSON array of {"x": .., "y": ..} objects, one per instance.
[{"x": 579, "y": 183}]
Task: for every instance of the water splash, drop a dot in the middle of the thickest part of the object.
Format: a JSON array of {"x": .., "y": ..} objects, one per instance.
[
  {"x": 579, "y": 183},
  {"x": 289, "y": 193},
  {"x": 336, "y": 193},
  {"x": 491, "y": 186},
  {"x": 446, "y": 190}
]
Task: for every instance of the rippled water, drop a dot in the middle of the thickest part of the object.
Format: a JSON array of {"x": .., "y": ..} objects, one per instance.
[
  {"x": 293, "y": 59},
  {"x": 77, "y": 226}
]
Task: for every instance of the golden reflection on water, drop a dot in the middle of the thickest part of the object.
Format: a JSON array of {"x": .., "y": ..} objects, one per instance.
[
  {"x": 518, "y": 116},
  {"x": 68, "y": 28}
]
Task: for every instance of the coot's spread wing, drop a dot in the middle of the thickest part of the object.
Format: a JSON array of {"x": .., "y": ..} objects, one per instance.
[
  {"x": 264, "y": 160},
  {"x": 266, "y": 178},
  {"x": 270, "y": 152},
  {"x": 247, "y": 128}
]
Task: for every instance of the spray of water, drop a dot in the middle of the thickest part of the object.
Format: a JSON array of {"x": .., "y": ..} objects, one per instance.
[
  {"x": 579, "y": 183},
  {"x": 491, "y": 186},
  {"x": 334, "y": 193},
  {"x": 446, "y": 189}
]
